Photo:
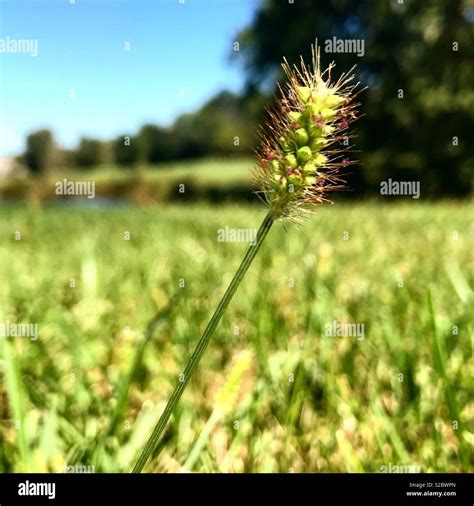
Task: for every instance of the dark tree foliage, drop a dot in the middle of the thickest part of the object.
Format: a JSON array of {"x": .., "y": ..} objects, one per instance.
[
  {"x": 224, "y": 125},
  {"x": 126, "y": 152},
  {"x": 418, "y": 66},
  {"x": 156, "y": 144},
  {"x": 39, "y": 151},
  {"x": 90, "y": 153}
]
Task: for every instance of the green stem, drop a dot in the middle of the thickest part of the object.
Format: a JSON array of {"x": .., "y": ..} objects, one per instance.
[{"x": 202, "y": 344}]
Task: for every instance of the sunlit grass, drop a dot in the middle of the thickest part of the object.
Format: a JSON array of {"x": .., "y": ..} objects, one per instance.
[{"x": 307, "y": 402}]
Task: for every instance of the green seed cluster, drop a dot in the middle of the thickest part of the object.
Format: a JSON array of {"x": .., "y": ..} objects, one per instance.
[
  {"x": 297, "y": 162},
  {"x": 300, "y": 153}
]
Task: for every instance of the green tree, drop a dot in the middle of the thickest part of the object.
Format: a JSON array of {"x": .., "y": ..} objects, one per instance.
[
  {"x": 222, "y": 126},
  {"x": 156, "y": 144},
  {"x": 39, "y": 152},
  {"x": 90, "y": 152},
  {"x": 125, "y": 149}
]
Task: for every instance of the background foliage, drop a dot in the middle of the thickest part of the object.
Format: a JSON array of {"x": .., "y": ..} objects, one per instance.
[{"x": 418, "y": 107}]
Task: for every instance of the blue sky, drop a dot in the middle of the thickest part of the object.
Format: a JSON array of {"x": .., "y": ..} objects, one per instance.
[{"x": 84, "y": 82}]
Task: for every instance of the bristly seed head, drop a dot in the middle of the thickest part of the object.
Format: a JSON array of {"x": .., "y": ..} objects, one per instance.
[{"x": 299, "y": 154}]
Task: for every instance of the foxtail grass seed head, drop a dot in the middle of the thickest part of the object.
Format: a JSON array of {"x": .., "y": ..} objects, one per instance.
[
  {"x": 297, "y": 166},
  {"x": 301, "y": 148}
]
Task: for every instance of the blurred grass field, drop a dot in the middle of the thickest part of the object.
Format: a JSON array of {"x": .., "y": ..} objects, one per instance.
[
  {"x": 210, "y": 169},
  {"x": 209, "y": 179},
  {"x": 273, "y": 392}
]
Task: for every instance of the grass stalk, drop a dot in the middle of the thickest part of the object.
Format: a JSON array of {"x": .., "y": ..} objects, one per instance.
[{"x": 202, "y": 344}]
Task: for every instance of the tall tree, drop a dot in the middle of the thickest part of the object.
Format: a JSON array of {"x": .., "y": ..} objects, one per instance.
[{"x": 39, "y": 150}]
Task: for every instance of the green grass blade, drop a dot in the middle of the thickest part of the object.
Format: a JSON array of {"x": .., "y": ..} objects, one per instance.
[
  {"x": 17, "y": 401},
  {"x": 202, "y": 344}
]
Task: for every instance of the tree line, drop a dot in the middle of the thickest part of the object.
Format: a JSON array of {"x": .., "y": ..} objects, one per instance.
[{"x": 226, "y": 125}]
